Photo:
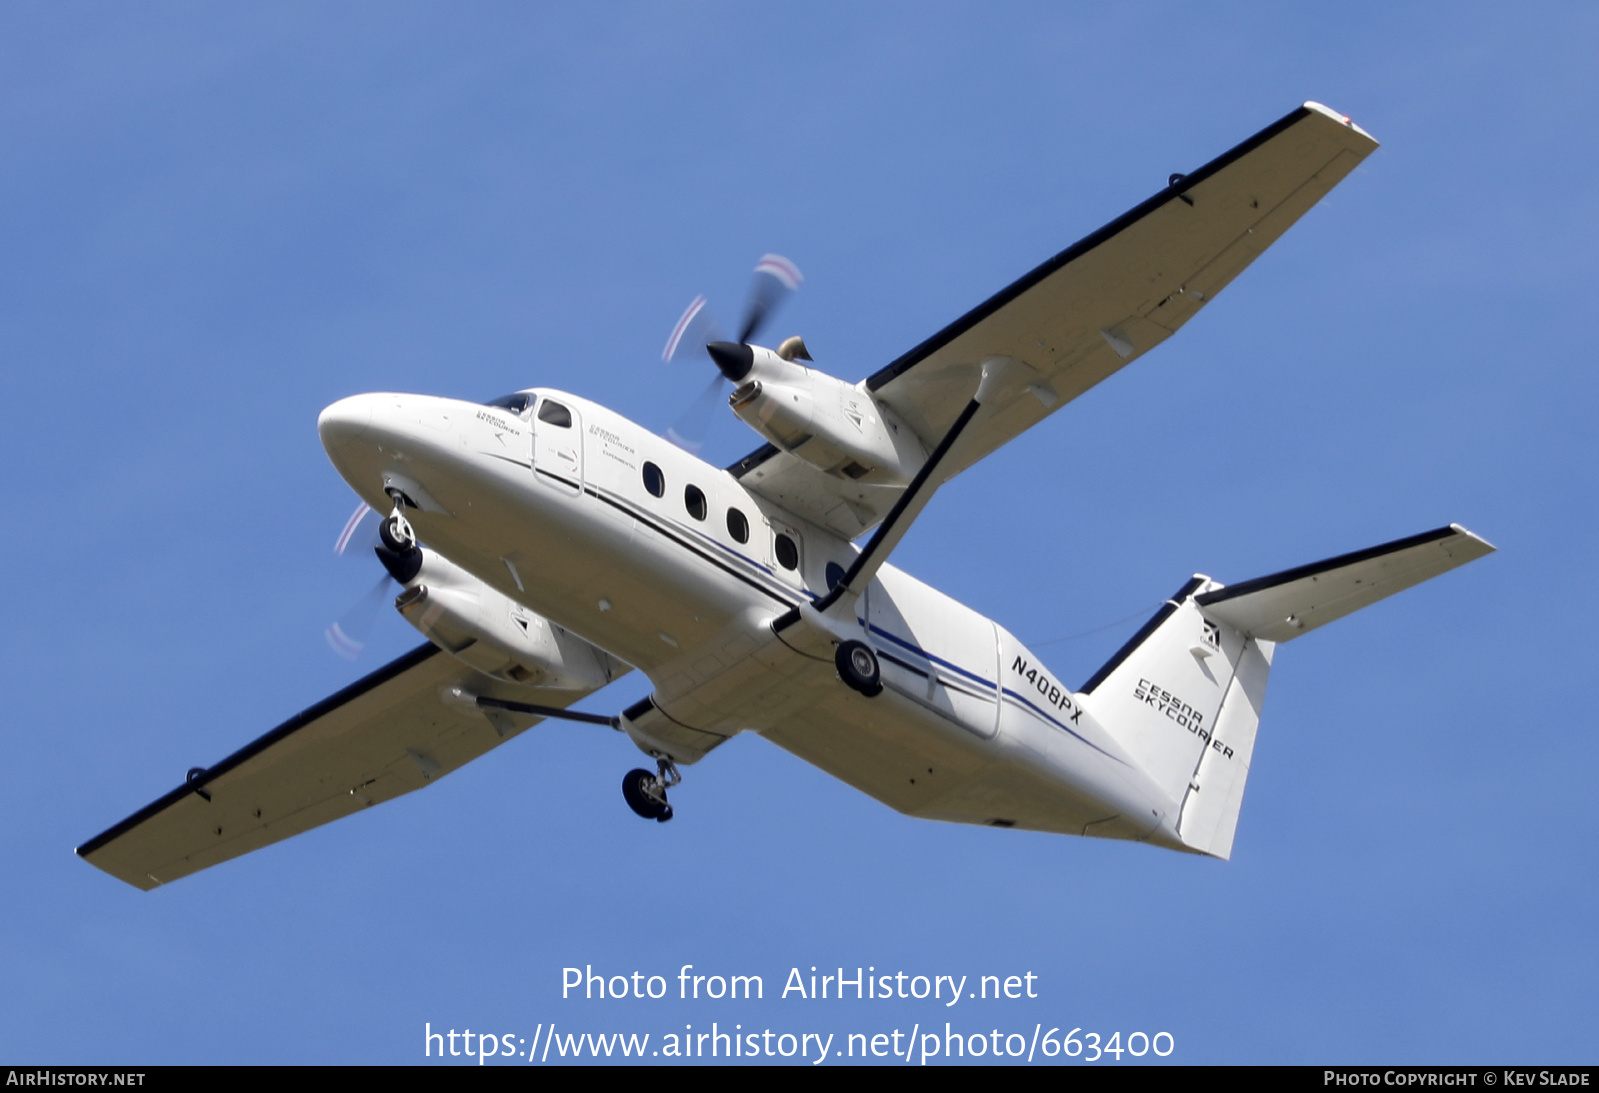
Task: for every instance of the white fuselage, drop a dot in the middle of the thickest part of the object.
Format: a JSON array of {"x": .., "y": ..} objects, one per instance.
[{"x": 635, "y": 545}]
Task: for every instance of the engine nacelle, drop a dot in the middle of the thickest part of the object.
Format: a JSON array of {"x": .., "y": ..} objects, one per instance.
[
  {"x": 496, "y": 635},
  {"x": 832, "y": 425}
]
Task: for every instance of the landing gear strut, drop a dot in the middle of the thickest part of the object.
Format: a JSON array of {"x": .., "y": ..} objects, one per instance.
[{"x": 646, "y": 793}]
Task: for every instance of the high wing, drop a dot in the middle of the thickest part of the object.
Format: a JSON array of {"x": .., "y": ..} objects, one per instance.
[
  {"x": 1087, "y": 312},
  {"x": 387, "y": 734}
]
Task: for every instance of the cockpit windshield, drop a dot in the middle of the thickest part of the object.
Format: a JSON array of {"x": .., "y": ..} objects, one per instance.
[{"x": 517, "y": 403}]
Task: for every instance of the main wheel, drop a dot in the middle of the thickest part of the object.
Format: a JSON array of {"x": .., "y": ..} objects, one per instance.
[
  {"x": 857, "y": 667},
  {"x": 635, "y": 785}
]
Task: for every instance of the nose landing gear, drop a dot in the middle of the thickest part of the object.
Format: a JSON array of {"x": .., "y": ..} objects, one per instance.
[
  {"x": 396, "y": 530},
  {"x": 645, "y": 793},
  {"x": 397, "y": 548}
]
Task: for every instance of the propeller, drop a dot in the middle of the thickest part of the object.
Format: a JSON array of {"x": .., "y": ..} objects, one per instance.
[
  {"x": 348, "y": 636},
  {"x": 775, "y": 277},
  {"x": 353, "y": 525},
  {"x": 349, "y": 633},
  {"x": 694, "y": 424}
]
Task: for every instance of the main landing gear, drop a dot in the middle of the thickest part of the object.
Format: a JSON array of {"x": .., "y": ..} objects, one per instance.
[
  {"x": 857, "y": 667},
  {"x": 646, "y": 793}
]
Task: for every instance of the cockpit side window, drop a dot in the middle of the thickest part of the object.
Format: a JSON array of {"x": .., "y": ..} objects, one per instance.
[
  {"x": 553, "y": 413},
  {"x": 516, "y": 403}
]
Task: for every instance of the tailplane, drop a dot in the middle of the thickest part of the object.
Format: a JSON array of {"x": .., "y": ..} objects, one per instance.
[{"x": 1184, "y": 695}]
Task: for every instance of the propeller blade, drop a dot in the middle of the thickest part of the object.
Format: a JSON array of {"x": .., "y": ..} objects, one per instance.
[
  {"x": 775, "y": 277},
  {"x": 350, "y": 527},
  {"x": 694, "y": 424},
  {"x": 348, "y": 636},
  {"x": 693, "y": 331}
]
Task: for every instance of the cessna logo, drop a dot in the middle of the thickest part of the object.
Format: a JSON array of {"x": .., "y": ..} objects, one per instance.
[{"x": 1050, "y": 691}]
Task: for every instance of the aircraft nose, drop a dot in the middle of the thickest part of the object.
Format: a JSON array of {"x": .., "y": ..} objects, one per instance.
[{"x": 344, "y": 422}]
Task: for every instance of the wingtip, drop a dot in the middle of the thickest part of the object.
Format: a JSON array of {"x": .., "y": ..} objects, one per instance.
[
  {"x": 1342, "y": 119},
  {"x": 1487, "y": 547}
]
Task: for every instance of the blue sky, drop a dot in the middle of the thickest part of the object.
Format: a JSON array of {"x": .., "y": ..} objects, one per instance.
[{"x": 217, "y": 220}]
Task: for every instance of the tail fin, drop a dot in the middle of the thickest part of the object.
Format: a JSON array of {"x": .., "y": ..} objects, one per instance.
[{"x": 1184, "y": 695}]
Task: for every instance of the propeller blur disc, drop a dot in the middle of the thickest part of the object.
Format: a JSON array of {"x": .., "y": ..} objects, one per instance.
[
  {"x": 775, "y": 277},
  {"x": 692, "y": 426},
  {"x": 350, "y": 527},
  {"x": 348, "y": 636},
  {"x": 694, "y": 331}
]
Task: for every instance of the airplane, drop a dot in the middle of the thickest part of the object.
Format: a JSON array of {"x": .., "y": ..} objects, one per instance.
[{"x": 546, "y": 546}]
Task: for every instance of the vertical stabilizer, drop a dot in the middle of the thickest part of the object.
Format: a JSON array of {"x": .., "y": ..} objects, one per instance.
[{"x": 1184, "y": 695}]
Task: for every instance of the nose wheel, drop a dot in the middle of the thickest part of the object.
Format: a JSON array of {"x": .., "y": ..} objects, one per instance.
[
  {"x": 397, "y": 548},
  {"x": 396, "y": 533},
  {"x": 645, "y": 793}
]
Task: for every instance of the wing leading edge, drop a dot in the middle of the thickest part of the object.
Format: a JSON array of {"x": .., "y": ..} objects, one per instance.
[
  {"x": 1090, "y": 310},
  {"x": 385, "y": 735}
]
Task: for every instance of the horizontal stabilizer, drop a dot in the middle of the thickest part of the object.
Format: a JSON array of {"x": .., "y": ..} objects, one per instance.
[{"x": 1284, "y": 605}]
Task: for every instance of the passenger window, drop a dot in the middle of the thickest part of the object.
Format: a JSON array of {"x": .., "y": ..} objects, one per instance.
[
  {"x": 737, "y": 526},
  {"x": 553, "y": 413},
  {"x": 835, "y": 574},
  {"x": 787, "y": 552},
  {"x": 694, "y": 501},
  {"x": 654, "y": 480}
]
